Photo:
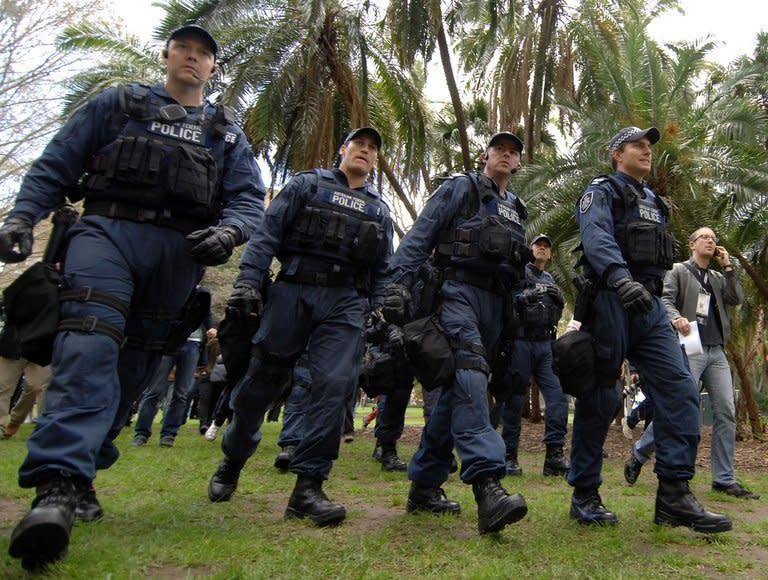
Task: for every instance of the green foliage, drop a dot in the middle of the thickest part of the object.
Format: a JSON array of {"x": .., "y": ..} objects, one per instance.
[{"x": 160, "y": 524}]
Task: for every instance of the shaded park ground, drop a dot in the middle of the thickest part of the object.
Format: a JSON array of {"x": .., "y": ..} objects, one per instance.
[{"x": 160, "y": 524}]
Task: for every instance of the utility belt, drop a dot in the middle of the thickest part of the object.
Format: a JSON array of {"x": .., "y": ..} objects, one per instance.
[
  {"x": 535, "y": 333},
  {"x": 165, "y": 218},
  {"x": 487, "y": 282},
  {"x": 359, "y": 281}
]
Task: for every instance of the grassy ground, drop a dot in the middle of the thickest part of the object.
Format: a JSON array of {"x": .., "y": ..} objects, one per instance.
[{"x": 160, "y": 524}]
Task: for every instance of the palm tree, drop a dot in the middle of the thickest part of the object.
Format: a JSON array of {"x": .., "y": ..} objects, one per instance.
[{"x": 710, "y": 163}]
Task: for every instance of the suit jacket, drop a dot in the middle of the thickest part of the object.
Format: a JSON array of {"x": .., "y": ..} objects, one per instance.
[{"x": 681, "y": 292}]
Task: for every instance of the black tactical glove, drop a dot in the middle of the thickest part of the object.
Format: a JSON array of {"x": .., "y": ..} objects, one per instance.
[
  {"x": 398, "y": 304},
  {"x": 395, "y": 336},
  {"x": 16, "y": 231},
  {"x": 244, "y": 303},
  {"x": 633, "y": 295},
  {"x": 556, "y": 296},
  {"x": 214, "y": 245},
  {"x": 532, "y": 295}
]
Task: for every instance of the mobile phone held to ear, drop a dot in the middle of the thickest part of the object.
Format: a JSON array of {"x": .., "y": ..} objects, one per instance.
[{"x": 717, "y": 253}]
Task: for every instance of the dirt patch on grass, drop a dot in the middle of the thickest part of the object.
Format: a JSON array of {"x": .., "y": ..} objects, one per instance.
[{"x": 11, "y": 510}]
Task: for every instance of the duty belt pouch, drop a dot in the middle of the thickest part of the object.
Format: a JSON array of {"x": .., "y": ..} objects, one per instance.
[
  {"x": 365, "y": 247},
  {"x": 235, "y": 341},
  {"x": 192, "y": 316},
  {"x": 642, "y": 243},
  {"x": 379, "y": 374},
  {"x": 192, "y": 176},
  {"x": 429, "y": 352},
  {"x": 535, "y": 314},
  {"x": 32, "y": 307},
  {"x": 494, "y": 240},
  {"x": 573, "y": 360}
]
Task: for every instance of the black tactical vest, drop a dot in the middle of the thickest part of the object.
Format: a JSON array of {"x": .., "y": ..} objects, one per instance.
[
  {"x": 164, "y": 157},
  {"x": 342, "y": 225}
]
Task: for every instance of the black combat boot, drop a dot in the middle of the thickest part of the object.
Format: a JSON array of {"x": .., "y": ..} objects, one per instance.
[
  {"x": 632, "y": 469},
  {"x": 224, "y": 480},
  {"x": 87, "y": 507},
  {"x": 555, "y": 462},
  {"x": 389, "y": 459},
  {"x": 42, "y": 536},
  {"x": 677, "y": 506},
  {"x": 430, "y": 499},
  {"x": 308, "y": 500},
  {"x": 511, "y": 463},
  {"x": 284, "y": 458},
  {"x": 496, "y": 507},
  {"x": 587, "y": 508}
]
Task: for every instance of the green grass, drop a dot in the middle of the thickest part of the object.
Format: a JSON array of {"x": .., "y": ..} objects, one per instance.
[{"x": 160, "y": 524}]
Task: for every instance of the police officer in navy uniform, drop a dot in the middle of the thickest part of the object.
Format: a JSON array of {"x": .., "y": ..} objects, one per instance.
[
  {"x": 539, "y": 307},
  {"x": 332, "y": 233},
  {"x": 626, "y": 252},
  {"x": 170, "y": 185},
  {"x": 476, "y": 228}
]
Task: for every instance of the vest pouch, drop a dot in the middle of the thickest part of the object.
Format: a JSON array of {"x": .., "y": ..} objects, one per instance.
[
  {"x": 573, "y": 360},
  {"x": 32, "y": 307},
  {"x": 642, "y": 243},
  {"x": 494, "y": 239},
  {"x": 366, "y": 247},
  {"x": 666, "y": 250},
  {"x": 334, "y": 230},
  {"x": 137, "y": 161},
  {"x": 429, "y": 352},
  {"x": 310, "y": 226},
  {"x": 535, "y": 314},
  {"x": 191, "y": 177}
]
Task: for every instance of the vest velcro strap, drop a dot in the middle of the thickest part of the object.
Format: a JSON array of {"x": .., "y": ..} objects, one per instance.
[
  {"x": 93, "y": 324},
  {"x": 89, "y": 294}
]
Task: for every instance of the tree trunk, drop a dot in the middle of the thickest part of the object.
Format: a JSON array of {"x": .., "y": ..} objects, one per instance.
[
  {"x": 450, "y": 80},
  {"x": 747, "y": 394},
  {"x": 548, "y": 13}
]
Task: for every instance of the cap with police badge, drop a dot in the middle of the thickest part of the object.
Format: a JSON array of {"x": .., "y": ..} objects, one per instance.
[
  {"x": 370, "y": 131},
  {"x": 496, "y": 137},
  {"x": 194, "y": 30},
  {"x": 540, "y": 237},
  {"x": 630, "y": 134}
]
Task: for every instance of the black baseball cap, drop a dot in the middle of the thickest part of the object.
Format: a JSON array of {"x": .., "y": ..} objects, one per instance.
[
  {"x": 364, "y": 131},
  {"x": 540, "y": 237},
  {"x": 496, "y": 137},
  {"x": 199, "y": 31},
  {"x": 629, "y": 134}
]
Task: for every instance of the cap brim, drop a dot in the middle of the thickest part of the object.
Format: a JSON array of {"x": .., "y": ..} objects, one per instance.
[
  {"x": 504, "y": 135},
  {"x": 370, "y": 131},
  {"x": 198, "y": 31}
]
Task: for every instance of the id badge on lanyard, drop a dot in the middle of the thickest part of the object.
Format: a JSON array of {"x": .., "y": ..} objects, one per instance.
[{"x": 702, "y": 306}]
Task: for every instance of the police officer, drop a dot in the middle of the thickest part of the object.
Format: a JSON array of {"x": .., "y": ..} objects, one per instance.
[
  {"x": 332, "y": 233},
  {"x": 170, "y": 185},
  {"x": 476, "y": 228},
  {"x": 539, "y": 307},
  {"x": 626, "y": 251}
]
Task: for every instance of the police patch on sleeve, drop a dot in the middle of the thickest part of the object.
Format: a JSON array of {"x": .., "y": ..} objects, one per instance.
[{"x": 586, "y": 202}]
